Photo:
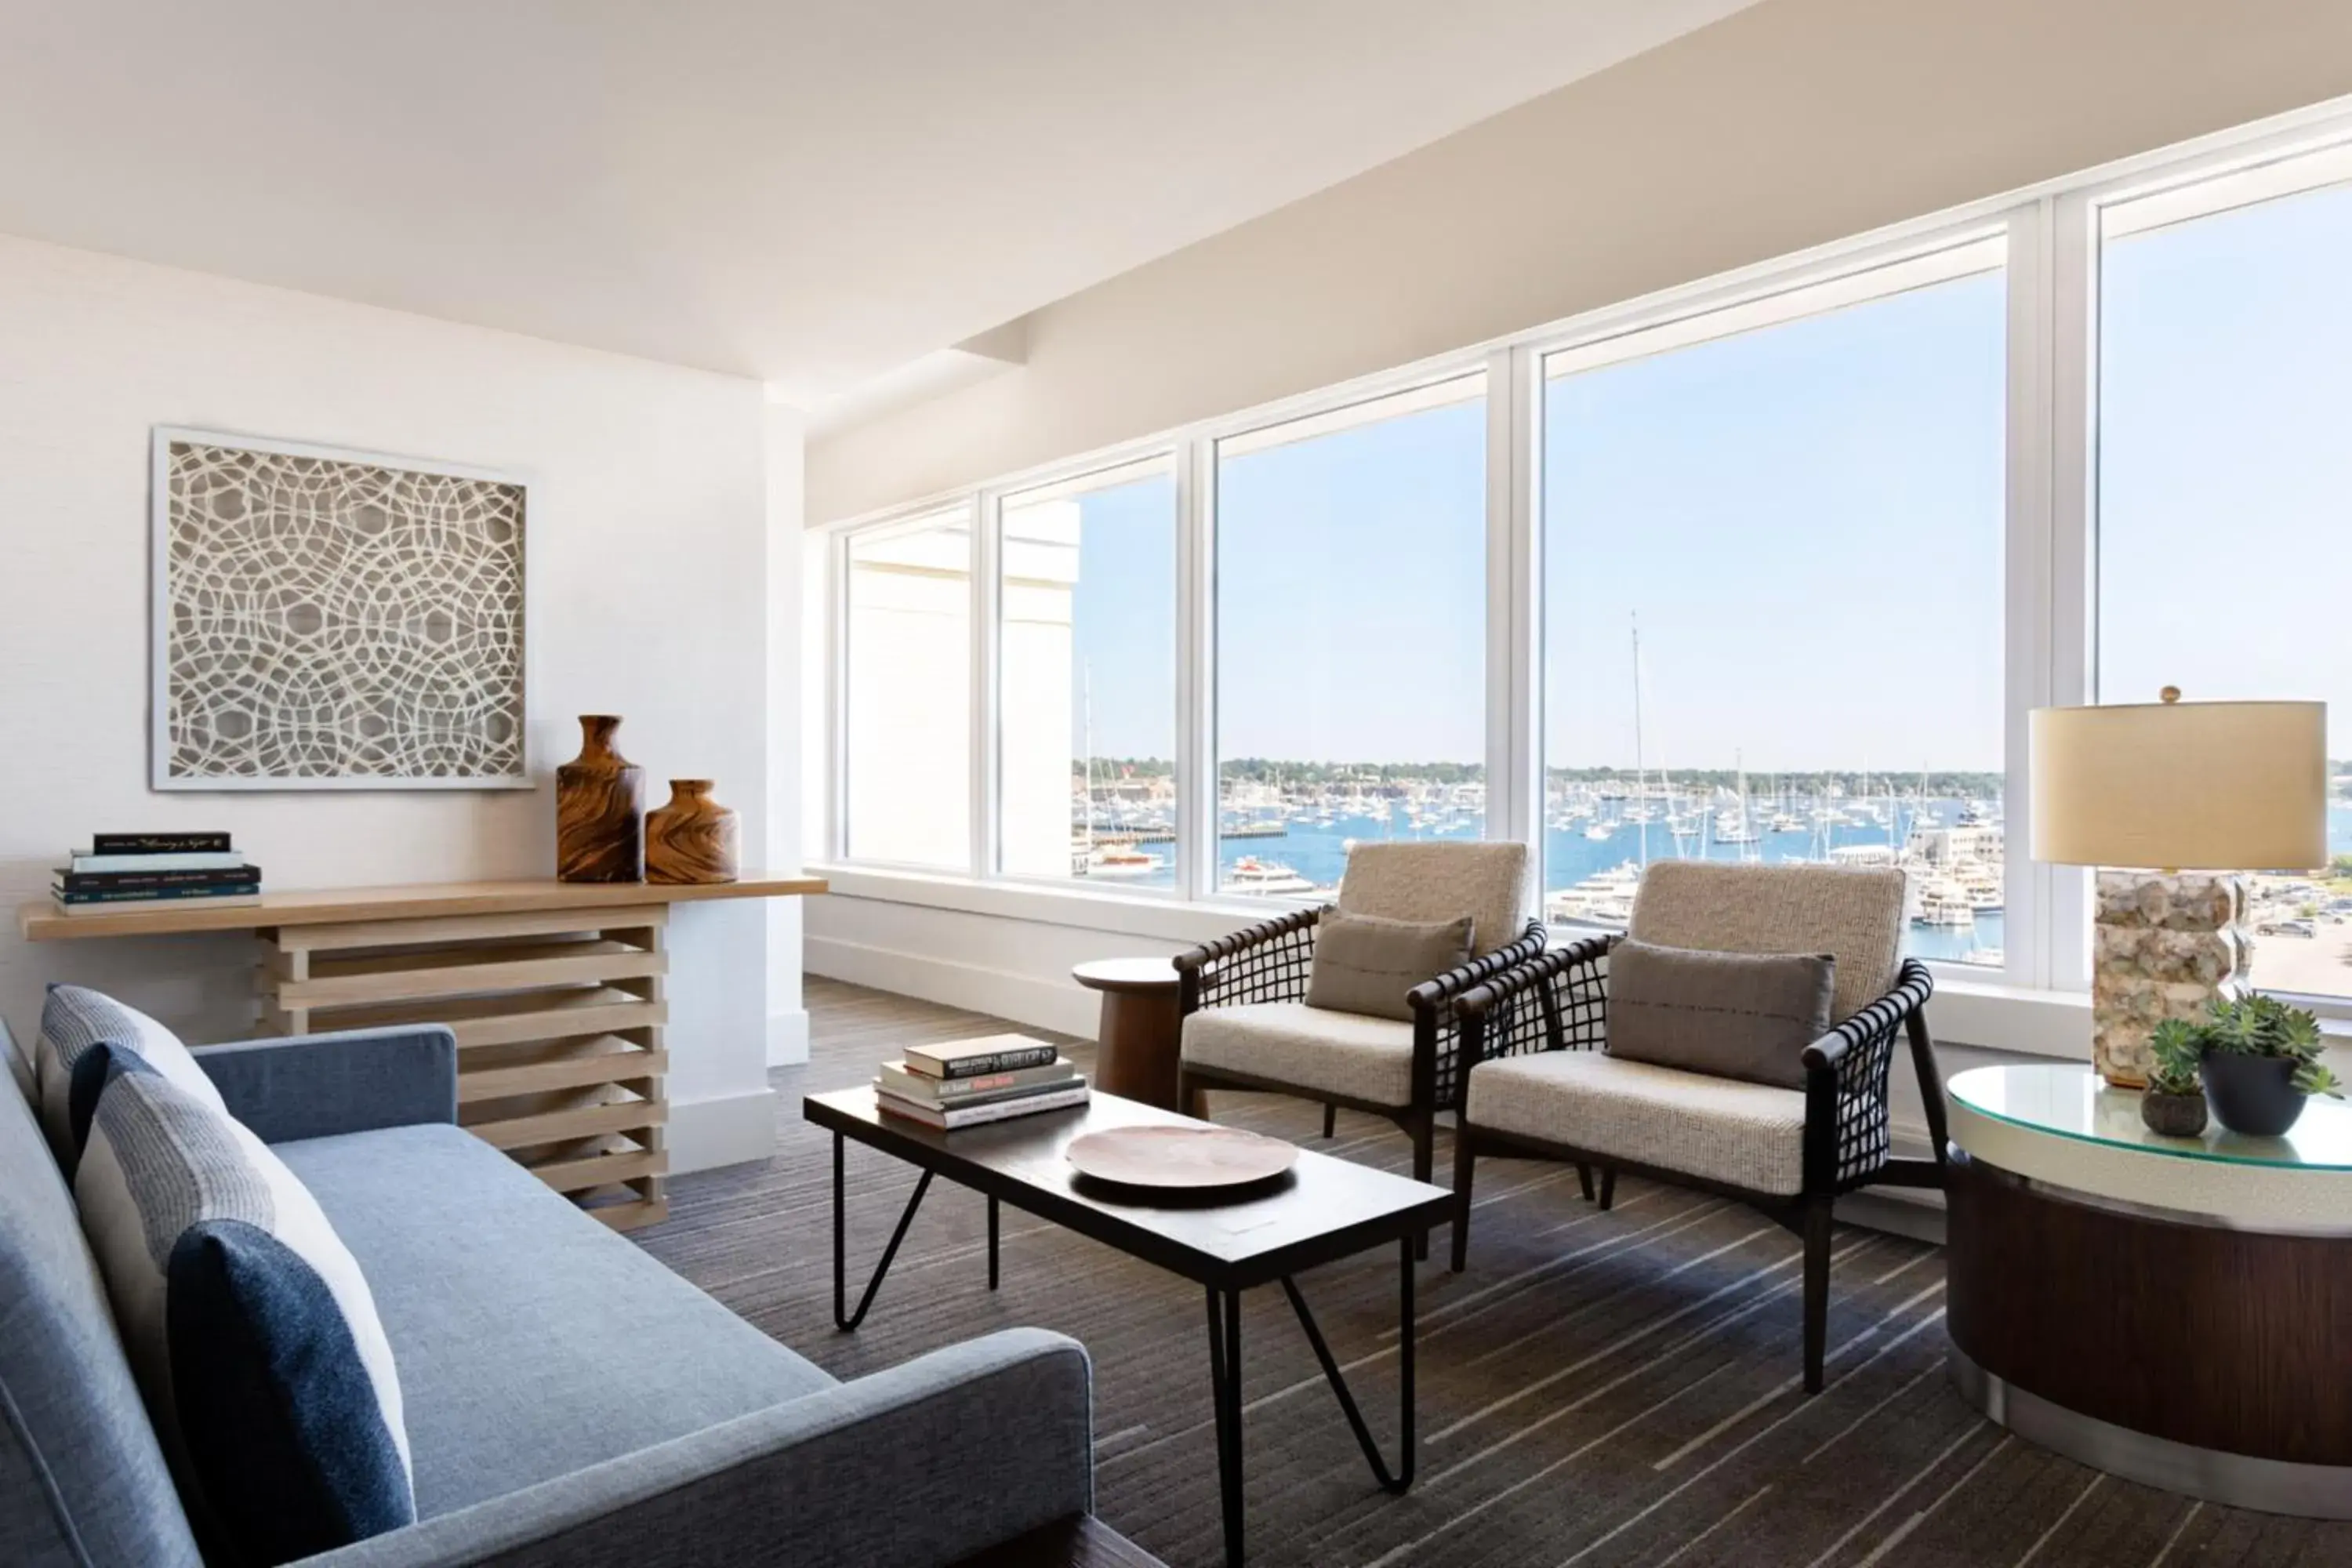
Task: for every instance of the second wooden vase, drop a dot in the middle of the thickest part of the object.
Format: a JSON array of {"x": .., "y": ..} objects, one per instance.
[
  {"x": 691, "y": 839},
  {"x": 600, "y": 802}
]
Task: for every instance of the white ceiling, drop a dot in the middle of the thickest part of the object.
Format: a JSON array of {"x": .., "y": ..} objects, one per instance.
[{"x": 811, "y": 191}]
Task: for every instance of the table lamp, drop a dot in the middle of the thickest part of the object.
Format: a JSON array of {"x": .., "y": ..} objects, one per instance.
[{"x": 2209, "y": 787}]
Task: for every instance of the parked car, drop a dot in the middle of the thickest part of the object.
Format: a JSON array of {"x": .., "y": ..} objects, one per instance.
[{"x": 2284, "y": 928}]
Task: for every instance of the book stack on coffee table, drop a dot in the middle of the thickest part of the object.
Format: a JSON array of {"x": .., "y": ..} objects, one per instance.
[
  {"x": 134, "y": 870},
  {"x": 973, "y": 1082}
]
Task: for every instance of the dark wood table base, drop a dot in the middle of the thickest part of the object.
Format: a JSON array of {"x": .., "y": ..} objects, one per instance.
[
  {"x": 1142, "y": 1024},
  {"x": 2188, "y": 1356}
]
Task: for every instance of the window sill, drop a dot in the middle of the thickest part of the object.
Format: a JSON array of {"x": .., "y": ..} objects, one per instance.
[
  {"x": 1983, "y": 1013},
  {"x": 1166, "y": 917},
  {"x": 1966, "y": 1011}
]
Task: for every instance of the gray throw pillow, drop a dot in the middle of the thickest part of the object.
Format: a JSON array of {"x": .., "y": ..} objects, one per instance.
[
  {"x": 1365, "y": 964},
  {"x": 1727, "y": 1015}
]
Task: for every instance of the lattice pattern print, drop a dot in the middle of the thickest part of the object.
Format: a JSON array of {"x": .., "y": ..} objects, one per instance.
[
  {"x": 1443, "y": 1020},
  {"x": 1554, "y": 999},
  {"x": 1864, "y": 1125},
  {"x": 1264, "y": 962},
  {"x": 333, "y": 623}
]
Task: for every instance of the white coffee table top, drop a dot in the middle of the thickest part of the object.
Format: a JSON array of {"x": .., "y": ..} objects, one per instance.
[{"x": 2060, "y": 1124}]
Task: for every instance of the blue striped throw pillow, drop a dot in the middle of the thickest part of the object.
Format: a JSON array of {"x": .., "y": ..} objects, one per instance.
[
  {"x": 248, "y": 1325},
  {"x": 73, "y": 1019}
]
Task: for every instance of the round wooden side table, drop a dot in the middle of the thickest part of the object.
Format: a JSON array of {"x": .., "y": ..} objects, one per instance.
[
  {"x": 1139, "y": 1028},
  {"x": 2170, "y": 1309}
]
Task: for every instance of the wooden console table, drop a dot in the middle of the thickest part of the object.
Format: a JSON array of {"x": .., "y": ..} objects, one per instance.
[{"x": 555, "y": 991}]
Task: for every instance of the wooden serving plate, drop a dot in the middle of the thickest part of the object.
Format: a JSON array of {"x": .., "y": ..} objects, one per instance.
[{"x": 1183, "y": 1159}]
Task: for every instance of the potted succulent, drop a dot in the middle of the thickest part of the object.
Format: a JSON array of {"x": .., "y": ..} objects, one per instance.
[
  {"x": 2174, "y": 1101},
  {"x": 2259, "y": 1058}
]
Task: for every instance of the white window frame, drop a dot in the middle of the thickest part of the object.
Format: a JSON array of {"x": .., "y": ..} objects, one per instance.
[
  {"x": 990, "y": 866},
  {"x": 1212, "y": 436},
  {"x": 2309, "y": 155},
  {"x": 836, "y": 771},
  {"x": 2034, "y": 1002},
  {"x": 1758, "y": 304}
]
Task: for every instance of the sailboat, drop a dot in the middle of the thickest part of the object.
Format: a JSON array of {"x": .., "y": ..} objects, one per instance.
[
  {"x": 1736, "y": 825},
  {"x": 1121, "y": 861},
  {"x": 1643, "y": 821}
]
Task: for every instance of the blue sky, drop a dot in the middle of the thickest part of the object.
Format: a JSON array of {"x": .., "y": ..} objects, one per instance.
[
  {"x": 1808, "y": 520},
  {"x": 2225, "y": 484}
]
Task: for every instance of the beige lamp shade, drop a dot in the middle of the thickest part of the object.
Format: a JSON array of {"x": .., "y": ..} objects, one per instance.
[{"x": 2182, "y": 786}]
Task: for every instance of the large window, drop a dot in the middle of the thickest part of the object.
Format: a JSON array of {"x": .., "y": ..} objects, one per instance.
[
  {"x": 1087, "y": 666},
  {"x": 1771, "y": 567},
  {"x": 2225, "y": 486},
  {"x": 1773, "y": 596},
  {"x": 907, "y": 700},
  {"x": 1351, "y": 635}
]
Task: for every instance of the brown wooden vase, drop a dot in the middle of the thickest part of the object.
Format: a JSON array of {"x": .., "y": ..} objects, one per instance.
[
  {"x": 691, "y": 839},
  {"x": 600, "y": 802}
]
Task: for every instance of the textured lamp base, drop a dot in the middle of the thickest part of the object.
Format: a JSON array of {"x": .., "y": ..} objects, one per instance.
[{"x": 2161, "y": 947}]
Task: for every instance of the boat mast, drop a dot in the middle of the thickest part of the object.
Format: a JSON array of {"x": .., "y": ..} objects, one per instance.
[
  {"x": 1086, "y": 712},
  {"x": 1747, "y": 822},
  {"x": 1638, "y": 801}
]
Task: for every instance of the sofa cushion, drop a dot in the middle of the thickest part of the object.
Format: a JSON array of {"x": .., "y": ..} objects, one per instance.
[
  {"x": 531, "y": 1340},
  {"x": 1733, "y": 1014},
  {"x": 1366, "y": 964},
  {"x": 1747, "y": 1135},
  {"x": 82, "y": 1479},
  {"x": 249, "y": 1326},
  {"x": 1439, "y": 881},
  {"x": 73, "y": 1019},
  {"x": 1852, "y": 913},
  {"x": 1306, "y": 1047}
]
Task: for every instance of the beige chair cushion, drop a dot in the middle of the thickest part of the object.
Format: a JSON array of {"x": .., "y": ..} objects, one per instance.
[
  {"x": 1306, "y": 1047},
  {"x": 1747, "y": 1135},
  {"x": 1438, "y": 881},
  {"x": 1854, "y": 915}
]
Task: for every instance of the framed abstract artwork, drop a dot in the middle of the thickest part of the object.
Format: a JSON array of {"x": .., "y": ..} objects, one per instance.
[{"x": 330, "y": 619}]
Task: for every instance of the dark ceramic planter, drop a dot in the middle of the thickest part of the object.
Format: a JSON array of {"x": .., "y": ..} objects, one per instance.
[
  {"x": 2173, "y": 1115},
  {"x": 2252, "y": 1095}
]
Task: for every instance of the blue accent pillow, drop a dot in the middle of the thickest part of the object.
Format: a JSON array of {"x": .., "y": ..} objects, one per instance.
[{"x": 252, "y": 1333}]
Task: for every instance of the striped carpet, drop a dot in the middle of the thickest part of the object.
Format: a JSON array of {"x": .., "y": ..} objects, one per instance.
[{"x": 1596, "y": 1389}]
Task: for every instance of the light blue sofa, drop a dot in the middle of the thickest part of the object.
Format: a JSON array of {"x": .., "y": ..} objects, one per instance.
[{"x": 569, "y": 1400}]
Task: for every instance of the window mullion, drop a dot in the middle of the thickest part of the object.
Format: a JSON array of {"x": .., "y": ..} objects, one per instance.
[
  {"x": 1514, "y": 609},
  {"x": 1196, "y": 747},
  {"x": 2073, "y": 542},
  {"x": 2027, "y": 563},
  {"x": 837, "y": 698},
  {"x": 986, "y": 621}
]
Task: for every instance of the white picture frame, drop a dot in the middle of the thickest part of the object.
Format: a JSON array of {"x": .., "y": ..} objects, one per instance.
[{"x": 512, "y": 766}]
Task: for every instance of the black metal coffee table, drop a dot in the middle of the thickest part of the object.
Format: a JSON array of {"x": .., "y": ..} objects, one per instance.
[{"x": 1323, "y": 1210}]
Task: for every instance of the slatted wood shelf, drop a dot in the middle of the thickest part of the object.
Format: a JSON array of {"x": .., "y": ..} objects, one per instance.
[
  {"x": 460, "y": 972},
  {"x": 578, "y": 1070},
  {"x": 631, "y": 1115},
  {"x": 555, "y": 992},
  {"x": 559, "y": 1017},
  {"x": 478, "y": 1021}
]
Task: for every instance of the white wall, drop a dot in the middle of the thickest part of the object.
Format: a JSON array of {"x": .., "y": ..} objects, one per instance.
[
  {"x": 1791, "y": 125},
  {"x": 650, "y": 518}
]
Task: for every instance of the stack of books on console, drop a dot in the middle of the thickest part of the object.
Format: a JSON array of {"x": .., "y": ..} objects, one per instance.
[
  {"x": 139, "y": 871},
  {"x": 972, "y": 1081}
]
